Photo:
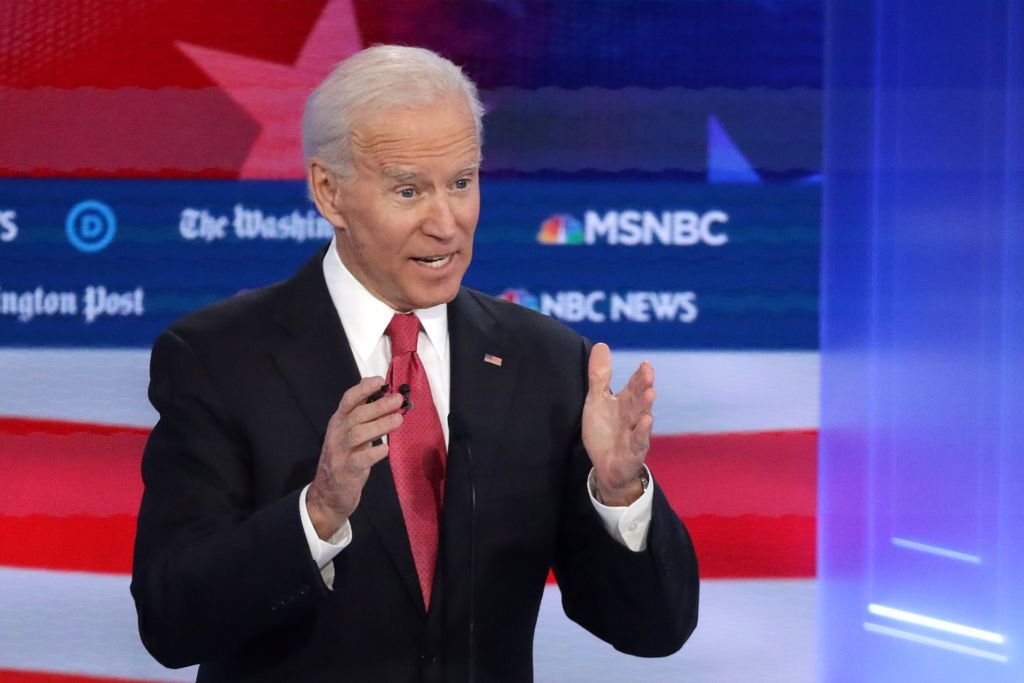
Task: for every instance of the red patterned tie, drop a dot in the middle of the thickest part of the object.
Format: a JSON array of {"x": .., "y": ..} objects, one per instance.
[{"x": 417, "y": 451}]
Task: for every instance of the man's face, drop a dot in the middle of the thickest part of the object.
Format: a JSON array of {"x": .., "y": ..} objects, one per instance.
[{"x": 406, "y": 219}]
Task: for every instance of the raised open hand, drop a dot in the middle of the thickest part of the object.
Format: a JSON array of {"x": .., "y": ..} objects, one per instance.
[{"x": 617, "y": 428}]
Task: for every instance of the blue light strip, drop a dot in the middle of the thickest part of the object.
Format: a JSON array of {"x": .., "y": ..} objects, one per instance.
[
  {"x": 937, "y": 624},
  {"x": 935, "y": 550},
  {"x": 934, "y": 642}
]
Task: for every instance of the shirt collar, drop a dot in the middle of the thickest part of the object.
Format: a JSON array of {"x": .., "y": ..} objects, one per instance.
[{"x": 365, "y": 317}]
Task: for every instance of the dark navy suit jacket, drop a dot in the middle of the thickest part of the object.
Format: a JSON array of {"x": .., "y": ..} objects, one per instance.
[{"x": 223, "y": 575}]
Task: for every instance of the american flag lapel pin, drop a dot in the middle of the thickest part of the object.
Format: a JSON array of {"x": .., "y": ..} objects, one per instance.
[{"x": 492, "y": 359}]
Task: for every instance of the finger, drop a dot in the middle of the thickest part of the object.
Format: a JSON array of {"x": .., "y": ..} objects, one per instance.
[
  {"x": 648, "y": 373},
  {"x": 368, "y": 412},
  {"x": 638, "y": 394},
  {"x": 638, "y": 413},
  {"x": 340, "y": 436},
  {"x": 358, "y": 394},
  {"x": 641, "y": 436},
  {"x": 643, "y": 404},
  {"x": 650, "y": 394},
  {"x": 641, "y": 378},
  {"x": 365, "y": 458},
  {"x": 599, "y": 369},
  {"x": 633, "y": 390},
  {"x": 362, "y": 434}
]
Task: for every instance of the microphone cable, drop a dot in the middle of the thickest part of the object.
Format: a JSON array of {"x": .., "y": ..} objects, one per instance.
[{"x": 458, "y": 430}]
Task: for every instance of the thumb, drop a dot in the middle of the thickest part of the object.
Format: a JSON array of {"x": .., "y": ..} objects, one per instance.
[{"x": 600, "y": 368}]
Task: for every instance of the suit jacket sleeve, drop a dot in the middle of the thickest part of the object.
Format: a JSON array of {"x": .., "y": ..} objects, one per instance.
[
  {"x": 643, "y": 603},
  {"x": 210, "y": 571}
]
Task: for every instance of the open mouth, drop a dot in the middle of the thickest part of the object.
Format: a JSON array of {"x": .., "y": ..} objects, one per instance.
[{"x": 434, "y": 261}]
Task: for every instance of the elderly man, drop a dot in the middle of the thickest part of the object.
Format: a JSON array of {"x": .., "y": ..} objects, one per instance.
[{"x": 364, "y": 473}]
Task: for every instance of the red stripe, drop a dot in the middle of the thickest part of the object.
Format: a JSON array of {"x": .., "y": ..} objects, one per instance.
[
  {"x": 69, "y": 494},
  {"x": 751, "y": 547},
  {"x": 728, "y": 547},
  {"x": 754, "y": 546},
  {"x": 22, "y": 426},
  {"x": 12, "y": 676},
  {"x": 762, "y": 473},
  {"x": 748, "y": 499},
  {"x": 75, "y": 543},
  {"x": 61, "y": 468}
]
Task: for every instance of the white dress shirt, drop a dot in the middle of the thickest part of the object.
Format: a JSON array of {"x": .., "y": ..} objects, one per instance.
[{"x": 364, "y": 319}]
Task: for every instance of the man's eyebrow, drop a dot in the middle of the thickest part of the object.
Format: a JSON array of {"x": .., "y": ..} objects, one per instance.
[{"x": 400, "y": 175}]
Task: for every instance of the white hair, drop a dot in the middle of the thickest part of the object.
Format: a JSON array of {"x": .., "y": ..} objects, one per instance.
[{"x": 377, "y": 78}]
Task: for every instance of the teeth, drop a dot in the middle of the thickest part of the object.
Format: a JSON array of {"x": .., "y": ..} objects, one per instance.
[{"x": 435, "y": 261}]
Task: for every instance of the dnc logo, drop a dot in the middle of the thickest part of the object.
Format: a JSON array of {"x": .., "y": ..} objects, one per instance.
[
  {"x": 91, "y": 226},
  {"x": 521, "y": 297},
  {"x": 561, "y": 229}
]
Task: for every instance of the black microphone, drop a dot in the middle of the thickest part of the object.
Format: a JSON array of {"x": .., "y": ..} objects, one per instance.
[
  {"x": 404, "y": 390},
  {"x": 406, "y": 406},
  {"x": 376, "y": 396},
  {"x": 458, "y": 432}
]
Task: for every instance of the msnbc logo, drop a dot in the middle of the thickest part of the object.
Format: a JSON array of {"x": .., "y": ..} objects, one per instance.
[
  {"x": 521, "y": 297},
  {"x": 631, "y": 228},
  {"x": 561, "y": 229}
]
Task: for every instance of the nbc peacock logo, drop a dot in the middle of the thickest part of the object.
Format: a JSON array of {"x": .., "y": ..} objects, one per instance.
[
  {"x": 561, "y": 229},
  {"x": 522, "y": 297}
]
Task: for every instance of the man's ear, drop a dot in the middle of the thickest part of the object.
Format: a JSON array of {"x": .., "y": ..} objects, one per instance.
[{"x": 324, "y": 184}]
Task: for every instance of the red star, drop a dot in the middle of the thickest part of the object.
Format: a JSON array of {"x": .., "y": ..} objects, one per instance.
[{"x": 275, "y": 94}]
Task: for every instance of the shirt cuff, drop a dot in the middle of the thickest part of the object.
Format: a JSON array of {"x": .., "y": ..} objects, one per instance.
[
  {"x": 627, "y": 525},
  {"x": 323, "y": 551}
]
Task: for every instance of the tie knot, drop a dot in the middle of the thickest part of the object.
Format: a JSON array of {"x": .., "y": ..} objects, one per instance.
[{"x": 404, "y": 330}]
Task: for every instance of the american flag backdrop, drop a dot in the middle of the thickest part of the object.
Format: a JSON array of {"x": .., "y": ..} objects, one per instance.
[{"x": 651, "y": 178}]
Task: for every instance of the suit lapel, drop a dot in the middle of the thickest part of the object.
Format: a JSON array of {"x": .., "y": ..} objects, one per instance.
[
  {"x": 316, "y": 362},
  {"x": 314, "y": 358},
  {"x": 480, "y": 395},
  {"x": 481, "y": 391}
]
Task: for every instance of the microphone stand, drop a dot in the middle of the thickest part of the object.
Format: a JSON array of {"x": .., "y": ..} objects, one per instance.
[{"x": 457, "y": 429}]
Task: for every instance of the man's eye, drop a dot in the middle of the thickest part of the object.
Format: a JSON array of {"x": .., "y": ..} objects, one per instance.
[
  {"x": 407, "y": 192},
  {"x": 462, "y": 183}
]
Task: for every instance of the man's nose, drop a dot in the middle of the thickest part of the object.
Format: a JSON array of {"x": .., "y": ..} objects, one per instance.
[{"x": 440, "y": 219}]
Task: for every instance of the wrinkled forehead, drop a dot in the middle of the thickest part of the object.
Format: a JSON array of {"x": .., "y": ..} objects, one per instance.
[{"x": 440, "y": 133}]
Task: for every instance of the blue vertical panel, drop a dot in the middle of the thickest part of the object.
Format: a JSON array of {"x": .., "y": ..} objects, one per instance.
[{"x": 922, "y": 425}]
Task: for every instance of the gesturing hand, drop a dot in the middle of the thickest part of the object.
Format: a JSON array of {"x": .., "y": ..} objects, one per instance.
[
  {"x": 617, "y": 428},
  {"x": 348, "y": 454}
]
